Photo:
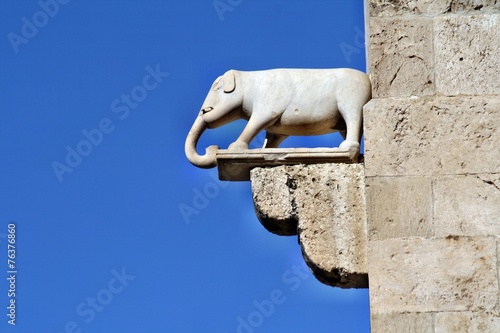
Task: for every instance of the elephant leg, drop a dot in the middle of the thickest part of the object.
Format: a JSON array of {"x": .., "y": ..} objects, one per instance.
[
  {"x": 273, "y": 140},
  {"x": 352, "y": 117},
  {"x": 253, "y": 127}
]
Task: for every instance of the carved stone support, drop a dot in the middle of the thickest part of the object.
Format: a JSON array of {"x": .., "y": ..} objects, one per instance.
[{"x": 324, "y": 204}]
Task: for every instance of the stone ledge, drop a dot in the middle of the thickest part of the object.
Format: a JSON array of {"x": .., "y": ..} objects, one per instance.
[
  {"x": 325, "y": 205},
  {"x": 236, "y": 165}
]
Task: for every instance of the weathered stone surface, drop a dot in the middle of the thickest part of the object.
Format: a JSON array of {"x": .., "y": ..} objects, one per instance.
[
  {"x": 467, "y": 205},
  {"x": 433, "y": 7},
  {"x": 273, "y": 200},
  {"x": 432, "y": 135},
  {"x": 401, "y": 57},
  {"x": 467, "y": 322},
  {"x": 402, "y": 323},
  {"x": 441, "y": 274},
  {"x": 399, "y": 207},
  {"x": 432, "y": 159},
  {"x": 467, "y": 55},
  {"x": 328, "y": 201},
  {"x": 497, "y": 308},
  {"x": 332, "y": 223}
]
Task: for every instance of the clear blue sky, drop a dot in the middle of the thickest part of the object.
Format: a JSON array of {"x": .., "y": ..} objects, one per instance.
[{"x": 97, "y": 99}]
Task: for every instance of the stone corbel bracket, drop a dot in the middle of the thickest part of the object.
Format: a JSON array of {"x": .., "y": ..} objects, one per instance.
[{"x": 324, "y": 204}]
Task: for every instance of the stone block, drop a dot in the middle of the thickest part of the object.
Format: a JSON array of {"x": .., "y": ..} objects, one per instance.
[
  {"x": 402, "y": 323},
  {"x": 431, "y": 7},
  {"x": 467, "y": 55},
  {"x": 432, "y": 135},
  {"x": 497, "y": 308},
  {"x": 467, "y": 322},
  {"x": 332, "y": 223},
  {"x": 399, "y": 207},
  {"x": 273, "y": 200},
  {"x": 467, "y": 205},
  {"x": 327, "y": 201},
  {"x": 401, "y": 57},
  {"x": 433, "y": 275}
]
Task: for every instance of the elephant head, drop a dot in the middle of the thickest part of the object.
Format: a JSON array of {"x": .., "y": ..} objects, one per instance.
[{"x": 221, "y": 106}]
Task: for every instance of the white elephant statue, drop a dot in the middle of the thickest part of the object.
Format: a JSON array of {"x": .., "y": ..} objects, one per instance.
[{"x": 284, "y": 102}]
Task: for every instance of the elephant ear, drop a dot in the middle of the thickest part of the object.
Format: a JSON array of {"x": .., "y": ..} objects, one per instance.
[{"x": 229, "y": 82}]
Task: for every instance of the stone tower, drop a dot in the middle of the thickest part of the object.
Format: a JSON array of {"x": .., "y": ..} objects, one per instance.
[{"x": 432, "y": 163}]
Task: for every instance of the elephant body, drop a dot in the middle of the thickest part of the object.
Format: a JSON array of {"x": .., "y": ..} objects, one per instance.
[{"x": 284, "y": 102}]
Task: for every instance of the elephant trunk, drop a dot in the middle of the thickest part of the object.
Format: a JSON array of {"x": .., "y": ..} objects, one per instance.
[{"x": 203, "y": 161}]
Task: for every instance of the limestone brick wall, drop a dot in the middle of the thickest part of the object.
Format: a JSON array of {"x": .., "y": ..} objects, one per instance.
[{"x": 432, "y": 165}]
